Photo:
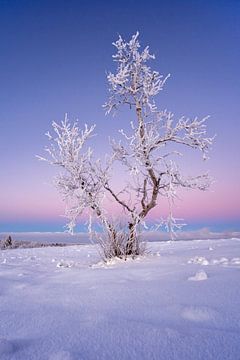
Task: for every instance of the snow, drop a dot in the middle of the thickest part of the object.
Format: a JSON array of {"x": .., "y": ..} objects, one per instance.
[
  {"x": 65, "y": 303},
  {"x": 199, "y": 276},
  {"x": 44, "y": 238}
]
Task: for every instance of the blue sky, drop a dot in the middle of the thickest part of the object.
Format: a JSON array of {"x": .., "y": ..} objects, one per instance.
[{"x": 54, "y": 58}]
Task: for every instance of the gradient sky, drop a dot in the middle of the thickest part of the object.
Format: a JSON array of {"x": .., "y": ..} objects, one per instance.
[{"x": 53, "y": 59}]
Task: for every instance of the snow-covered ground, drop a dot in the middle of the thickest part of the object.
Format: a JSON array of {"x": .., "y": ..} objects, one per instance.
[
  {"x": 48, "y": 237},
  {"x": 181, "y": 301}
]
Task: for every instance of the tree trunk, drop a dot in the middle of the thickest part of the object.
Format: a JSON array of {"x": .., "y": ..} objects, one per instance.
[{"x": 132, "y": 246}]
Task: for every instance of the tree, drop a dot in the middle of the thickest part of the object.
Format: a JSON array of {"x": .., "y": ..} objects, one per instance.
[{"x": 146, "y": 152}]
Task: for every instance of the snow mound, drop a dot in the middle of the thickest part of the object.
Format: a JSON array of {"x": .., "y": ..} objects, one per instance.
[
  {"x": 226, "y": 262},
  {"x": 199, "y": 276},
  {"x": 65, "y": 264},
  {"x": 235, "y": 261},
  {"x": 107, "y": 264},
  {"x": 223, "y": 261},
  {"x": 198, "y": 260},
  {"x": 115, "y": 261}
]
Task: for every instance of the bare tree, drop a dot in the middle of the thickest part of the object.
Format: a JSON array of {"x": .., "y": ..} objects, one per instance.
[{"x": 147, "y": 152}]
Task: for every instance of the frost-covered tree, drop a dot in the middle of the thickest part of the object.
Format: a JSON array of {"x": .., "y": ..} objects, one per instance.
[{"x": 146, "y": 151}]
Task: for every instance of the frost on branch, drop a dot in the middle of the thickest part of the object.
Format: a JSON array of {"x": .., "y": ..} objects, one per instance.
[
  {"x": 149, "y": 152},
  {"x": 134, "y": 79},
  {"x": 76, "y": 182}
]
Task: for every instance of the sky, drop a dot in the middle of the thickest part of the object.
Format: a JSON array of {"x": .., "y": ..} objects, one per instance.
[{"x": 54, "y": 56}]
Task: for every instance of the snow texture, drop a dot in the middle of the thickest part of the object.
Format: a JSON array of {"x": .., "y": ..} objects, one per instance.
[
  {"x": 200, "y": 275},
  {"x": 64, "y": 303}
]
